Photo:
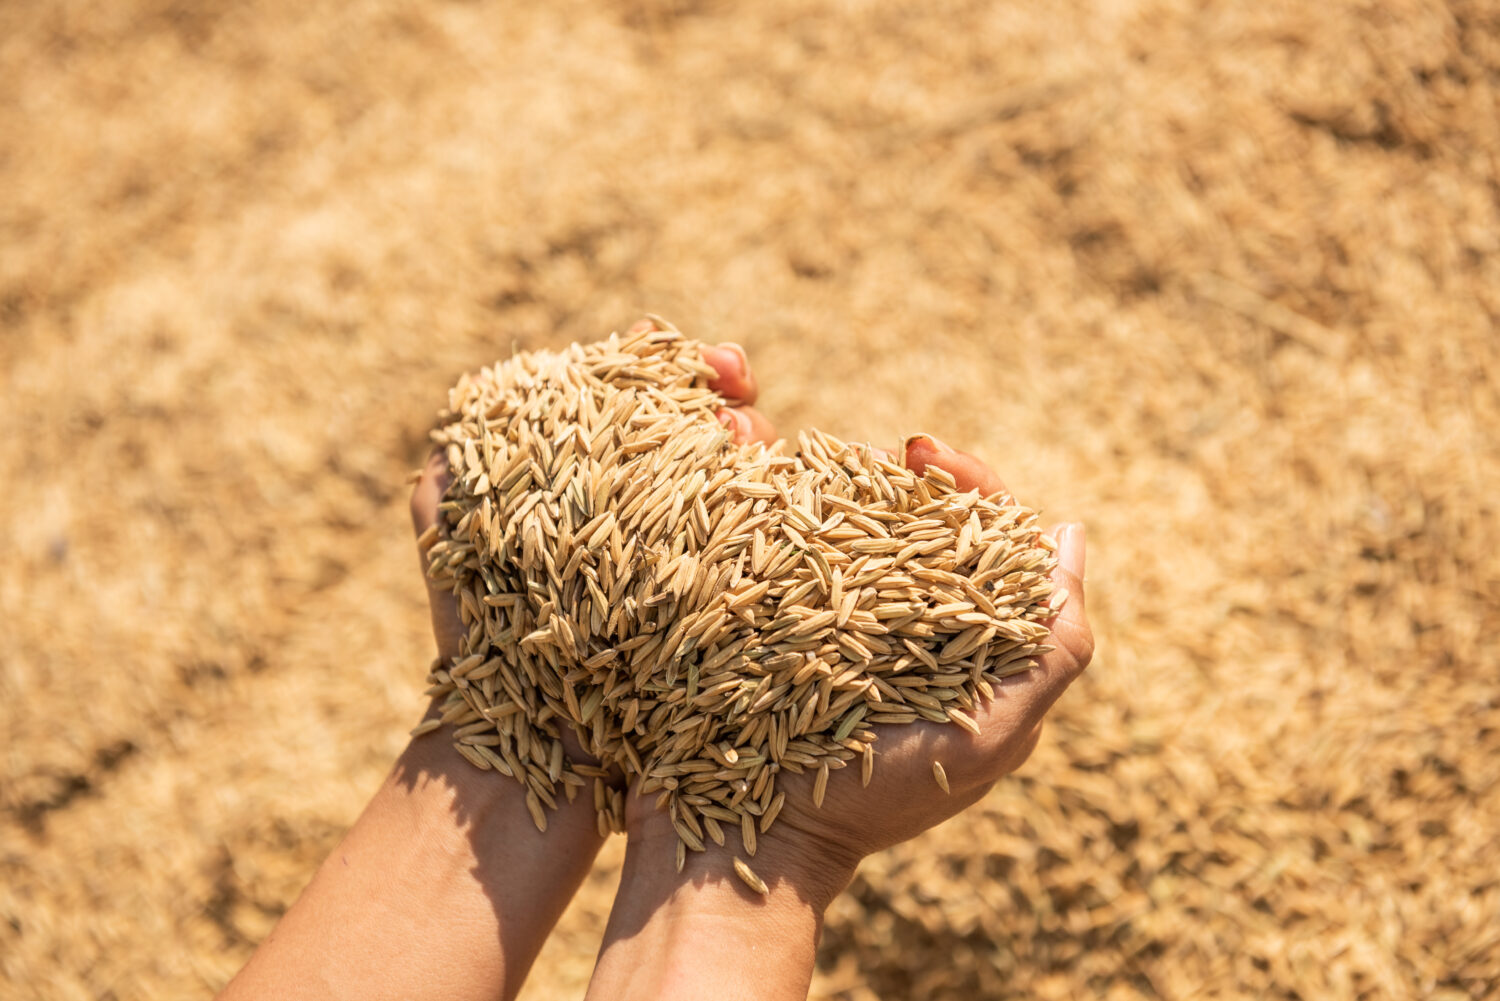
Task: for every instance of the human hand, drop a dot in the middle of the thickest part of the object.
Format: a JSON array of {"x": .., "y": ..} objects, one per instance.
[
  {"x": 444, "y": 888},
  {"x": 820, "y": 846},
  {"x": 735, "y": 382},
  {"x": 701, "y": 932}
]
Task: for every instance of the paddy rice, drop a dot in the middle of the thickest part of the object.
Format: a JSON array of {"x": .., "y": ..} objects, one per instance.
[{"x": 705, "y": 617}]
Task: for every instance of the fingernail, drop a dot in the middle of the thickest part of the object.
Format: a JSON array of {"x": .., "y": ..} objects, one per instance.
[
  {"x": 937, "y": 445},
  {"x": 735, "y": 421},
  {"x": 740, "y": 353}
]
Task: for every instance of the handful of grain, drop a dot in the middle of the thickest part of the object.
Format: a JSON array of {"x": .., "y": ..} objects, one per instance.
[{"x": 704, "y": 615}]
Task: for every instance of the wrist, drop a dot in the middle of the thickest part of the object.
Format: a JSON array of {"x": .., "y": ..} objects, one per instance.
[
  {"x": 473, "y": 832},
  {"x": 704, "y": 932},
  {"x": 490, "y": 808},
  {"x": 793, "y": 864},
  {"x": 410, "y": 903}
]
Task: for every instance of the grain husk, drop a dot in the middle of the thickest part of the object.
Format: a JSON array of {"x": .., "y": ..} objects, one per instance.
[{"x": 704, "y": 616}]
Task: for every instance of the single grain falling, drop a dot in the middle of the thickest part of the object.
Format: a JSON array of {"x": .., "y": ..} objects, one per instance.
[{"x": 703, "y": 616}]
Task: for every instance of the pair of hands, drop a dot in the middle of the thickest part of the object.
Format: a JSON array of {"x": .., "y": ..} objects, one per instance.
[
  {"x": 812, "y": 853},
  {"x": 444, "y": 888}
]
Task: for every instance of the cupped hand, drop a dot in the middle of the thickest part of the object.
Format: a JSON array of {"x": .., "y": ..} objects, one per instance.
[
  {"x": 818, "y": 848},
  {"x": 823, "y": 844},
  {"x": 735, "y": 382}
]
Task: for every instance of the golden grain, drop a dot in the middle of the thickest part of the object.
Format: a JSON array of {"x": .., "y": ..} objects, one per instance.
[
  {"x": 700, "y": 614},
  {"x": 820, "y": 785},
  {"x": 534, "y": 807},
  {"x": 750, "y": 878},
  {"x": 964, "y": 721}
]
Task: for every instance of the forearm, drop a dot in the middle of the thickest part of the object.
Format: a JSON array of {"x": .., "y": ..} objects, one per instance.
[
  {"x": 443, "y": 888},
  {"x": 704, "y": 933}
]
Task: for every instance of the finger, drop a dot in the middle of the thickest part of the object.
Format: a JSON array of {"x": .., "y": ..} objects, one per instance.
[
  {"x": 1072, "y": 639},
  {"x": 1072, "y": 541},
  {"x": 735, "y": 380},
  {"x": 748, "y": 424},
  {"x": 1022, "y": 700},
  {"x": 447, "y": 622},
  {"x": 1071, "y": 633},
  {"x": 968, "y": 472},
  {"x": 428, "y": 492}
]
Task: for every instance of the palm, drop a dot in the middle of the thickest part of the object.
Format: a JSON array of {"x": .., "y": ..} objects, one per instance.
[{"x": 903, "y": 797}]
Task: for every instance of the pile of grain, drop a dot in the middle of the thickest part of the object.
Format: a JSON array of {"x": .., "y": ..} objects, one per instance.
[{"x": 705, "y": 615}]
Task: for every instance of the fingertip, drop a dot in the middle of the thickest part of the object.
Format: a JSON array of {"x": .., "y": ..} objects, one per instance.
[
  {"x": 922, "y": 450},
  {"x": 748, "y": 425},
  {"x": 742, "y": 360},
  {"x": 1073, "y": 619},
  {"x": 737, "y": 423},
  {"x": 968, "y": 472},
  {"x": 735, "y": 379},
  {"x": 1068, "y": 573},
  {"x": 1072, "y": 540},
  {"x": 432, "y": 483}
]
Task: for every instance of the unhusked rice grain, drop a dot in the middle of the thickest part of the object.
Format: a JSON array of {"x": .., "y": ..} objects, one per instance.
[{"x": 705, "y": 616}]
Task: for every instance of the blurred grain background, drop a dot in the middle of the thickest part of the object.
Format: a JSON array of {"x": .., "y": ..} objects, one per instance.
[{"x": 1222, "y": 279}]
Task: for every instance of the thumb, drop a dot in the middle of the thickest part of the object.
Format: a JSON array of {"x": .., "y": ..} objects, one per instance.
[{"x": 432, "y": 484}]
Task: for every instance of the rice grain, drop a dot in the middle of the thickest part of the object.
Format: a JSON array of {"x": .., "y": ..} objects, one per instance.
[
  {"x": 750, "y": 878},
  {"x": 701, "y": 615}
]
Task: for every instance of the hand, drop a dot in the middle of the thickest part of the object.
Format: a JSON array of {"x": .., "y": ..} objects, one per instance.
[
  {"x": 444, "y": 887},
  {"x": 904, "y": 797},
  {"x": 821, "y": 846},
  {"x": 702, "y": 932},
  {"x": 735, "y": 382}
]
